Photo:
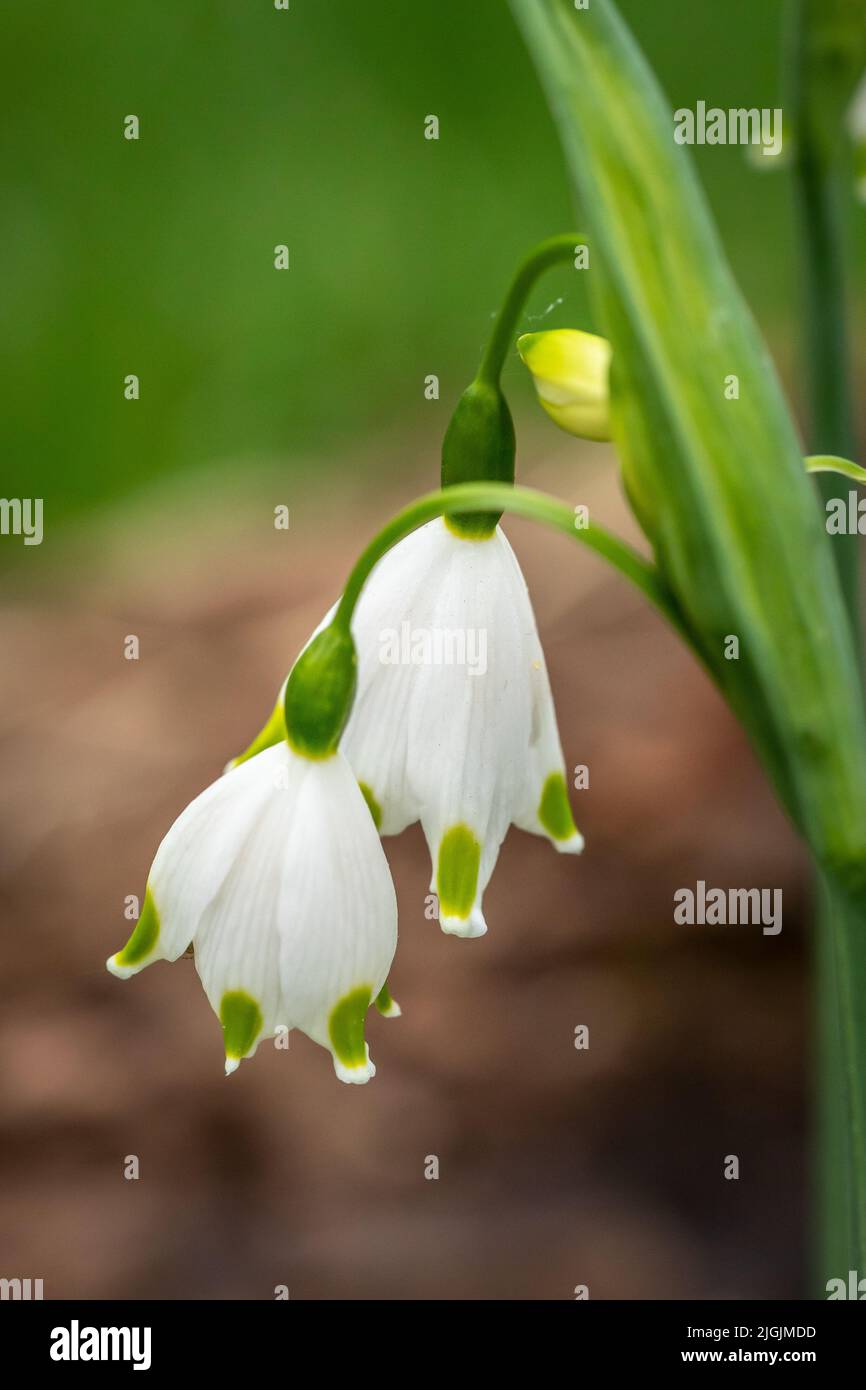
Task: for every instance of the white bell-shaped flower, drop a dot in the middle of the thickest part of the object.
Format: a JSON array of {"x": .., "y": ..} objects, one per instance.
[
  {"x": 277, "y": 878},
  {"x": 453, "y": 723}
]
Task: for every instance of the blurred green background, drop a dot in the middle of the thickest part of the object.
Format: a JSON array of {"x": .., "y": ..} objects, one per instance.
[{"x": 303, "y": 127}]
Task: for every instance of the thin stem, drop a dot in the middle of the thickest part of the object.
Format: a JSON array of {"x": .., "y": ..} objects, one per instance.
[
  {"x": 547, "y": 253},
  {"x": 831, "y": 411},
  {"x": 816, "y": 181},
  {"x": 838, "y": 955},
  {"x": 842, "y": 954},
  {"x": 519, "y": 501}
]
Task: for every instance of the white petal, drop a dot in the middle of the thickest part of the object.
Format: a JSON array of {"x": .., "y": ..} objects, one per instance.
[
  {"x": 195, "y": 855},
  {"x": 401, "y": 590},
  {"x": 544, "y": 767},
  {"x": 467, "y": 746},
  {"x": 237, "y": 944},
  {"x": 466, "y": 731},
  {"x": 337, "y": 915}
]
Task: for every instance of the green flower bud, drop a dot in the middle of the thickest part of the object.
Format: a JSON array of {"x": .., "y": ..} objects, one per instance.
[
  {"x": 320, "y": 691},
  {"x": 478, "y": 446},
  {"x": 570, "y": 370}
]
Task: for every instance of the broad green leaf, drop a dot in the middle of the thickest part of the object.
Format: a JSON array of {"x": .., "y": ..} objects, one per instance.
[{"x": 710, "y": 456}]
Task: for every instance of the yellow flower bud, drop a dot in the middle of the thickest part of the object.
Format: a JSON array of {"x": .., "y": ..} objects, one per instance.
[{"x": 570, "y": 371}]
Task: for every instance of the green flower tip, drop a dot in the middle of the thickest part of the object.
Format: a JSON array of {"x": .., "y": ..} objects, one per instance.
[
  {"x": 479, "y": 446},
  {"x": 320, "y": 691},
  {"x": 241, "y": 1020},
  {"x": 554, "y": 813},
  {"x": 387, "y": 1007},
  {"x": 457, "y": 866},
  {"x": 372, "y": 804},
  {"x": 346, "y": 1031},
  {"x": 140, "y": 945}
]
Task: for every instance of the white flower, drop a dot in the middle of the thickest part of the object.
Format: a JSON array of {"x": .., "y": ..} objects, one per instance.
[
  {"x": 276, "y": 876},
  {"x": 466, "y": 746}
]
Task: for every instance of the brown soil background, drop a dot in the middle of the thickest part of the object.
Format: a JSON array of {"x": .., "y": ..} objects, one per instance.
[{"x": 557, "y": 1167}]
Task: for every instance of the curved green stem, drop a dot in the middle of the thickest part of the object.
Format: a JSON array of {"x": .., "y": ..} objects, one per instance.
[
  {"x": 470, "y": 498},
  {"x": 553, "y": 251},
  {"x": 519, "y": 501},
  {"x": 830, "y": 463}
]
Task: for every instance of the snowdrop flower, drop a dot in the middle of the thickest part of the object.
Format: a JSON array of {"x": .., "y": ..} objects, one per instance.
[
  {"x": 570, "y": 371},
  {"x": 436, "y": 735},
  {"x": 453, "y": 723},
  {"x": 276, "y": 876}
]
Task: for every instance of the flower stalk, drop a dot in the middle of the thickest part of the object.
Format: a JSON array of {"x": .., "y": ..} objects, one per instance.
[
  {"x": 555, "y": 250},
  {"x": 472, "y": 498},
  {"x": 826, "y": 52},
  {"x": 479, "y": 443}
]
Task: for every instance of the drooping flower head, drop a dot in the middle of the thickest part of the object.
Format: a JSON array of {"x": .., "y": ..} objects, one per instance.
[
  {"x": 454, "y": 724},
  {"x": 276, "y": 877}
]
